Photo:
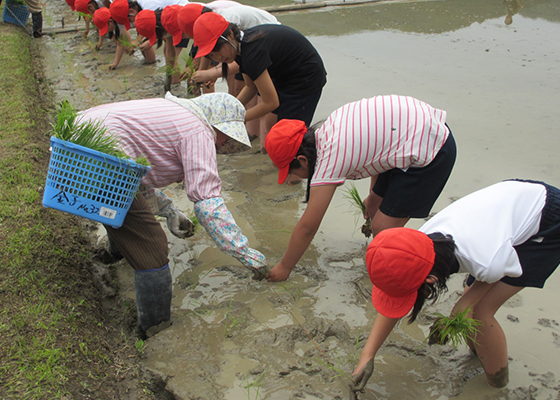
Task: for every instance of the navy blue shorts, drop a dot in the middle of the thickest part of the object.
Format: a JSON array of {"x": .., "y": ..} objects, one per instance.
[
  {"x": 412, "y": 194},
  {"x": 298, "y": 106},
  {"x": 540, "y": 255},
  {"x": 183, "y": 43}
]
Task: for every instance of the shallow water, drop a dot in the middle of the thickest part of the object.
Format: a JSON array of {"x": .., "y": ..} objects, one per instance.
[{"x": 234, "y": 338}]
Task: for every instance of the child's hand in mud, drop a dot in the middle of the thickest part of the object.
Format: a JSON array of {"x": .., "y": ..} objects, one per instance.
[
  {"x": 435, "y": 334},
  {"x": 112, "y": 67},
  {"x": 279, "y": 273},
  {"x": 205, "y": 77},
  {"x": 360, "y": 379},
  {"x": 144, "y": 46}
]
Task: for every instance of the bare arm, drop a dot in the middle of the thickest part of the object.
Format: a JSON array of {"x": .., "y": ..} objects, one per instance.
[
  {"x": 382, "y": 327},
  {"x": 118, "y": 55},
  {"x": 248, "y": 92},
  {"x": 319, "y": 200},
  {"x": 269, "y": 97}
]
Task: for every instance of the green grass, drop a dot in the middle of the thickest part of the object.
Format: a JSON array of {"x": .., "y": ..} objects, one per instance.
[{"x": 55, "y": 340}]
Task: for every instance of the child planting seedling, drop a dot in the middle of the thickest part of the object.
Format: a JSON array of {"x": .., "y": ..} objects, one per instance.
[
  {"x": 407, "y": 164},
  {"x": 357, "y": 204},
  {"x": 506, "y": 237}
]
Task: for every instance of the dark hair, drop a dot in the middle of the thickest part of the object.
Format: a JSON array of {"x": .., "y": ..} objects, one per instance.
[
  {"x": 135, "y": 5},
  {"x": 160, "y": 31},
  {"x": 233, "y": 28},
  {"x": 116, "y": 33},
  {"x": 308, "y": 149},
  {"x": 445, "y": 264},
  {"x": 220, "y": 42},
  {"x": 94, "y": 4}
]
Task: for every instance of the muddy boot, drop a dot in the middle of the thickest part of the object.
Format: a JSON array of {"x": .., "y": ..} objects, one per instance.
[
  {"x": 153, "y": 299},
  {"x": 37, "y": 19}
]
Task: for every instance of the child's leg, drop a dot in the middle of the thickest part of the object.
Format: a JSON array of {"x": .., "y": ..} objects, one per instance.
[
  {"x": 176, "y": 78},
  {"x": 149, "y": 52},
  {"x": 490, "y": 343}
]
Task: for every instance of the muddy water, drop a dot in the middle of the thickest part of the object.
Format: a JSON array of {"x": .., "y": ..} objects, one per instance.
[{"x": 234, "y": 338}]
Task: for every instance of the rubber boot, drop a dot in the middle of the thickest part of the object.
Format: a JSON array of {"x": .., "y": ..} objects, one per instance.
[
  {"x": 37, "y": 19},
  {"x": 153, "y": 299}
]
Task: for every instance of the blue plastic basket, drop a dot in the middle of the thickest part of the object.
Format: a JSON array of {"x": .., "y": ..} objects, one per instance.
[
  {"x": 91, "y": 184},
  {"x": 15, "y": 13}
]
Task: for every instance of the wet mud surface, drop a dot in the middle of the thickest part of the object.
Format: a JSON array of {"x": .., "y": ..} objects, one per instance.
[{"x": 235, "y": 338}]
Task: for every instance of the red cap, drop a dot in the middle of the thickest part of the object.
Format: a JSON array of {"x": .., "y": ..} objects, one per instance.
[
  {"x": 398, "y": 261},
  {"x": 71, "y": 4},
  {"x": 82, "y": 6},
  {"x": 101, "y": 18},
  {"x": 145, "y": 23},
  {"x": 187, "y": 16},
  {"x": 119, "y": 12},
  {"x": 282, "y": 144},
  {"x": 171, "y": 24},
  {"x": 206, "y": 31}
]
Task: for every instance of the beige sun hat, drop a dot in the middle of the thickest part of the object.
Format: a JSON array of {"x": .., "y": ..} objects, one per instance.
[{"x": 219, "y": 110}]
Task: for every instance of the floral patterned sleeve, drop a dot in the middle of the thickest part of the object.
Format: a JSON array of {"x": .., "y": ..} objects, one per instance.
[{"x": 220, "y": 225}]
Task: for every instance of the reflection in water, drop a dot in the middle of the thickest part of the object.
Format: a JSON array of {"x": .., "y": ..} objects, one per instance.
[
  {"x": 512, "y": 7},
  {"x": 418, "y": 17}
]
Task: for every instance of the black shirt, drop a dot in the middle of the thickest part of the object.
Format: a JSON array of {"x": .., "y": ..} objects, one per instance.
[{"x": 293, "y": 63}]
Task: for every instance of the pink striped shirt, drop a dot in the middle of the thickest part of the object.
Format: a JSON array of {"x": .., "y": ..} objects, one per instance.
[
  {"x": 371, "y": 136},
  {"x": 178, "y": 145}
]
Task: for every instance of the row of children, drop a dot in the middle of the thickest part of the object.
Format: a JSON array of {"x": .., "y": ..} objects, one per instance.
[
  {"x": 506, "y": 237},
  {"x": 275, "y": 61}
]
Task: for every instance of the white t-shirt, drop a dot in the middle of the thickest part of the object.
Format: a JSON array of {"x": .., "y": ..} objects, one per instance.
[
  {"x": 246, "y": 17},
  {"x": 221, "y": 4},
  {"x": 155, "y": 4},
  {"x": 487, "y": 224},
  {"x": 371, "y": 136}
]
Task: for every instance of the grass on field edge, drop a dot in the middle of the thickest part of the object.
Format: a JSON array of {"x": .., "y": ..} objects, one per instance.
[{"x": 55, "y": 339}]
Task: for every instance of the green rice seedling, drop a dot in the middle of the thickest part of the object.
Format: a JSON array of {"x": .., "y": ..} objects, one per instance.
[
  {"x": 84, "y": 16},
  {"x": 256, "y": 385},
  {"x": 194, "y": 220},
  {"x": 296, "y": 293},
  {"x": 140, "y": 346},
  {"x": 358, "y": 207},
  {"x": 90, "y": 134},
  {"x": 194, "y": 87},
  {"x": 231, "y": 321},
  {"x": 457, "y": 329}
]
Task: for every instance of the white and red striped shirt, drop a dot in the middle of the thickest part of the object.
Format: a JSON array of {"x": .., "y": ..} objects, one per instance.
[
  {"x": 371, "y": 136},
  {"x": 178, "y": 145}
]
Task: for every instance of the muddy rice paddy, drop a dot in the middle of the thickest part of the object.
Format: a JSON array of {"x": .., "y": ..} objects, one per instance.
[{"x": 234, "y": 338}]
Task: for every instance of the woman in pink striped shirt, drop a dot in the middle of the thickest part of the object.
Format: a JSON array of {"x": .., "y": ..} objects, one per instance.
[
  {"x": 402, "y": 144},
  {"x": 179, "y": 137}
]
